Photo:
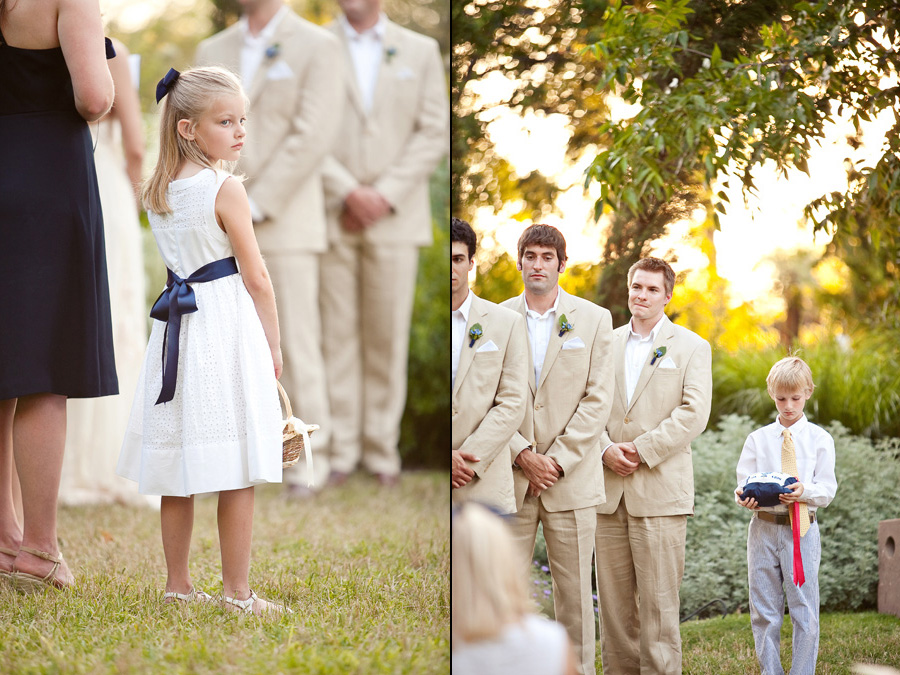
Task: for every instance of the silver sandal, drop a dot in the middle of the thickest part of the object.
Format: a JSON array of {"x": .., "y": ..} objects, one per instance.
[
  {"x": 193, "y": 595},
  {"x": 246, "y": 606}
]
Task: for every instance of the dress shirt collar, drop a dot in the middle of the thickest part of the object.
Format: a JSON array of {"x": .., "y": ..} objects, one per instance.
[
  {"x": 653, "y": 331},
  {"x": 377, "y": 30},
  {"x": 534, "y": 314},
  {"x": 466, "y": 307},
  {"x": 268, "y": 31},
  {"x": 796, "y": 428}
]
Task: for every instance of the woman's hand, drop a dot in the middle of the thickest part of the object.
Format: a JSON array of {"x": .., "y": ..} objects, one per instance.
[{"x": 278, "y": 362}]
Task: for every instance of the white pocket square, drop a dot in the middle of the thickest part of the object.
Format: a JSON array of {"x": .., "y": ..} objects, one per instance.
[
  {"x": 574, "y": 343},
  {"x": 404, "y": 73},
  {"x": 279, "y": 71},
  {"x": 488, "y": 346},
  {"x": 667, "y": 363}
]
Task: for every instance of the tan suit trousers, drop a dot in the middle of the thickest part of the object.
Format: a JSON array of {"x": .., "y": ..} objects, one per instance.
[
  {"x": 366, "y": 299},
  {"x": 570, "y": 547},
  {"x": 295, "y": 277},
  {"x": 640, "y": 562}
]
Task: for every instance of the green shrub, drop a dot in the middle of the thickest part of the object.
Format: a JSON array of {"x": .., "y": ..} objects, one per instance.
[
  {"x": 857, "y": 384},
  {"x": 868, "y": 473}
]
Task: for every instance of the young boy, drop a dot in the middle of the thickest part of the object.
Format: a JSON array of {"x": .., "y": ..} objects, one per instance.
[{"x": 790, "y": 439}]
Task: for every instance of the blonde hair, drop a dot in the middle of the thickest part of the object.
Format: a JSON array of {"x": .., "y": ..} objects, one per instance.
[
  {"x": 788, "y": 375},
  {"x": 488, "y": 585},
  {"x": 189, "y": 98}
]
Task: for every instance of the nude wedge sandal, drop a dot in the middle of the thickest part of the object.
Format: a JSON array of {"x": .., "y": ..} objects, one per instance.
[{"x": 31, "y": 583}]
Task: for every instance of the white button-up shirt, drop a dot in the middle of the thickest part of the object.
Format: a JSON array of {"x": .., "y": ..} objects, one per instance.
[
  {"x": 637, "y": 351},
  {"x": 814, "y": 448},
  {"x": 540, "y": 328},
  {"x": 253, "y": 50},
  {"x": 366, "y": 51},
  {"x": 458, "y": 319}
]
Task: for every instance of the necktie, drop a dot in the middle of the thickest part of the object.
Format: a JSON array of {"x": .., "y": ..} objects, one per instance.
[{"x": 789, "y": 466}]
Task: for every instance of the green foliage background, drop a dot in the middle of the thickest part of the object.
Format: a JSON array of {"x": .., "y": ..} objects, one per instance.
[{"x": 425, "y": 431}]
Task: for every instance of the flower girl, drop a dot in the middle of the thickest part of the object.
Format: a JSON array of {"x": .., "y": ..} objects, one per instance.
[{"x": 206, "y": 415}]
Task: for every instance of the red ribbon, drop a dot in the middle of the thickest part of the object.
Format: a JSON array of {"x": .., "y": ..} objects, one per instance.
[{"x": 799, "y": 577}]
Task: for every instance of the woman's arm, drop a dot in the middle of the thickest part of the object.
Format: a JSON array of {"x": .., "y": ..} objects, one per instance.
[
  {"x": 127, "y": 110},
  {"x": 81, "y": 38}
]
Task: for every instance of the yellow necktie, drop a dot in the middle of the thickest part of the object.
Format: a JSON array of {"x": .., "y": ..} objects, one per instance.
[{"x": 789, "y": 466}]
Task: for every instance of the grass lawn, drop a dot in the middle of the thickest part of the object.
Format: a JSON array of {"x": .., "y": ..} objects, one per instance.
[
  {"x": 366, "y": 571},
  {"x": 724, "y": 646}
]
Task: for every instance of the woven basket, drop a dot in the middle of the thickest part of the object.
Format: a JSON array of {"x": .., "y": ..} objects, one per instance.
[{"x": 295, "y": 437}]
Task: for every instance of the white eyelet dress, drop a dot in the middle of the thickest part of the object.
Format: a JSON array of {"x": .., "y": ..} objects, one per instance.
[{"x": 221, "y": 431}]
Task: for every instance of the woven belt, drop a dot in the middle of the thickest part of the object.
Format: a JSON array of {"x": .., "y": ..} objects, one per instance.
[{"x": 781, "y": 518}]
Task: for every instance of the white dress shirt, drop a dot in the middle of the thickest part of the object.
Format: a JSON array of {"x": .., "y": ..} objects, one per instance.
[
  {"x": 253, "y": 50},
  {"x": 540, "y": 328},
  {"x": 366, "y": 51},
  {"x": 459, "y": 320},
  {"x": 637, "y": 352},
  {"x": 814, "y": 448}
]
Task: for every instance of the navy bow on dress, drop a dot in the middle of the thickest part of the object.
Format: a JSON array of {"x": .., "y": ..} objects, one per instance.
[
  {"x": 178, "y": 298},
  {"x": 163, "y": 86}
]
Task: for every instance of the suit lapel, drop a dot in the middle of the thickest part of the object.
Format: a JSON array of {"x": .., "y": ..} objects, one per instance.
[
  {"x": 337, "y": 28},
  {"x": 666, "y": 332},
  {"x": 384, "y": 84},
  {"x": 556, "y": 341},
  {"x": 467, "y": 353},
  {"x": 282, "y": 36},
  {"x": 519, "y": 306},
  {"x": 619, "y": 354}
]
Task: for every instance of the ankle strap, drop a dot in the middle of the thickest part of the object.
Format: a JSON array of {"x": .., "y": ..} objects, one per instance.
[
  {"x": 244, "y": 605},
  {"x": 42, "y": 554}
]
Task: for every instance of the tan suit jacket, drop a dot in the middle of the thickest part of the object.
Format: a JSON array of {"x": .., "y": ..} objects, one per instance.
[
  {"x": 488, "y": 402},
  {"x": 669, "y": 409},
  {"x": 295, "y": 103},
  {"x": 567, "y": 410},
  {"x": 395, "y": 146}
]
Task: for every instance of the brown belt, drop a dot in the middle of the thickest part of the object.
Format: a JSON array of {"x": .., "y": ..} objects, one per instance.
[{"x": 781, "y": 518}]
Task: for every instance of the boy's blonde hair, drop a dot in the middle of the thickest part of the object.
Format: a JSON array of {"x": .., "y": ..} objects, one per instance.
[
  {"x": 189, "y": 98},
  {"x": 789, "y": 375},
  {"x": 488, "y": 587}
]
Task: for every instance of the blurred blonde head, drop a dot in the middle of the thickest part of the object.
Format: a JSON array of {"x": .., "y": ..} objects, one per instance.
[
  {"x": 190, "y": 97},
  {"x": 790, "y": 374},
  {"x": 488, "y": 585}
]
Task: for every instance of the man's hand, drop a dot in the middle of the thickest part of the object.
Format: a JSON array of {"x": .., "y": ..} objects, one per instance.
[
  {"x": 749, "y": 503},
  {"x": 622, "y": 458},
  {"x": 540, "y": 470},
  {"x": 460, "y": 473},
  {"x": 366, "y": 205},
  {"x": 794, "y": 495},
  {"x": 351, "y": 223}
]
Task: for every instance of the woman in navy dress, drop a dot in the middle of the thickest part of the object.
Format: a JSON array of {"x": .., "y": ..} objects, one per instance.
[{"x": 55, "y": 329}]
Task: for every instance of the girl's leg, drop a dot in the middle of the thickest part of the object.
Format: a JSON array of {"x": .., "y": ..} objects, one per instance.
[
  {"x": 176, "y": 517},
  {"x": 10, "y": 531},
  {"x": 235, "y": 515},
  {"x": 39, "y": 439}
]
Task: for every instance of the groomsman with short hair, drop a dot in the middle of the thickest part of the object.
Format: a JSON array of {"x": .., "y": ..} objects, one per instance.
[
  {"x": 661, "y": 403},
  {"x": 490, "y": 380},
  {"x": 292, "y": 72},
  {"x": 558, "y": 472},
  {"x": 394, "y": 130}
]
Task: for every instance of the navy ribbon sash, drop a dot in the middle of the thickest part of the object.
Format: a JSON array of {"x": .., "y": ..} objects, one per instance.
[{"x": 178, "y": 298}]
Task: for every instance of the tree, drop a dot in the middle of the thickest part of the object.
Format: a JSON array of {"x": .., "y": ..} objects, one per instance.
[{"x": 710, "y": 109}]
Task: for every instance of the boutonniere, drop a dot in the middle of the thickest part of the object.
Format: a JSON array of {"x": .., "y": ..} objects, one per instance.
[
  {"x": 564, "y": 325},
  {"x": 475, "y": 332},
  {"x": 389, "y": 54},
  {"x": 273, "y": 51},
  {"x": 658, "y": 354}
]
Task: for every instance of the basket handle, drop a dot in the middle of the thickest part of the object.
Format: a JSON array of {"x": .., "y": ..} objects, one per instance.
[{"x": 285, "y": 401}]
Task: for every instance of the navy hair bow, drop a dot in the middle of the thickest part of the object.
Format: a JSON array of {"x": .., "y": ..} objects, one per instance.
[{"x": 163, "y": 86}]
